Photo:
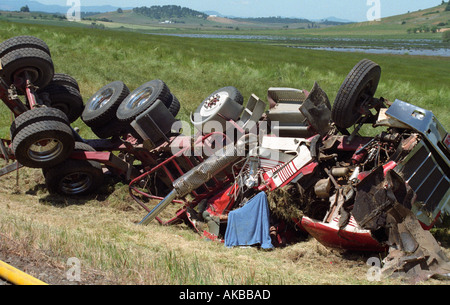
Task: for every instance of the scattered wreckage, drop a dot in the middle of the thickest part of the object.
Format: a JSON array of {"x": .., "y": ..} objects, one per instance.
[
  {"x": 347, "y": 191},
  {"x": 249, "y": 175}
]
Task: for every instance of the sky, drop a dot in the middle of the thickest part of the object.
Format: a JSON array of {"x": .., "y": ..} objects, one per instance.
[{"x": 354, "y": 10}]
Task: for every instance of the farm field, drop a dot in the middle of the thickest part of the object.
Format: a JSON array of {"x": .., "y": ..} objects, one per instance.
[
  {"x": 194, "y": 67},
  {"x": 101, "y": 230}
]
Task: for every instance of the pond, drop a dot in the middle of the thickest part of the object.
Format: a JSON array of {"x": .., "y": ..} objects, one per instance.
[
  {"x": 422, "y": 47},
  {"x": 402, "y": 51}
]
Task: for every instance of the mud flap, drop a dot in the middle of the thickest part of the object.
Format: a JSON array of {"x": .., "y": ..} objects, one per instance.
[{"x": 317, "y": 110}]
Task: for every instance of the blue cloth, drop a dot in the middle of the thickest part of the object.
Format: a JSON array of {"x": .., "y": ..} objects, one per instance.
[{"x": 249, "y": 225}]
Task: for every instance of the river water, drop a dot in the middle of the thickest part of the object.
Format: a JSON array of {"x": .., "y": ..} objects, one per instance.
[
  {"x": 422, "y": 47},
  {"x": 401, "y": 51}
]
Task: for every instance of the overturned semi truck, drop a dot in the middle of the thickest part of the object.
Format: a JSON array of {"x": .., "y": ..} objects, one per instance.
[{"x": 297, "y": 160}]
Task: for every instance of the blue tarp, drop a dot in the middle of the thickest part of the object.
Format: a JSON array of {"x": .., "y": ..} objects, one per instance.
[{"x": 249, "y": 225}]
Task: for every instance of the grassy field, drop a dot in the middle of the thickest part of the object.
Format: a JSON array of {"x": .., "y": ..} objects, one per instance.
[
  {"x": 395, "y": 26},
  {"x": 101, "y": 230},
  {"x": 107, "y": 240},
  {"x": 193, "y": 68}
]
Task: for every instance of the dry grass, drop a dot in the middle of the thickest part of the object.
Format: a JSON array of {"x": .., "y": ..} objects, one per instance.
[{"x": 105, "y": 237}]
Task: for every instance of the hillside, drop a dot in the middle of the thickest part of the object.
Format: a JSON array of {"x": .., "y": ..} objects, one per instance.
[
  {"x": 432, "y": 20},
  {"x": 173, "y": 16},
  {"x": 431, "y": 16},
  {"x": 167, "y": 12},
  {"x": 422, "y": 24}
]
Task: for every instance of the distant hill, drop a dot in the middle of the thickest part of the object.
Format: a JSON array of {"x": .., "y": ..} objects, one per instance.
[
  {"x": 35, "y": 6},
  {"x": 335, "y": 19},
  {"x": 168, "y": 12},
  {"x": 172, "y": 15},
  {"x": 432, "y": 16},
  {"x": 433, "y": 20},
  {"x": 218, "y": 14}
]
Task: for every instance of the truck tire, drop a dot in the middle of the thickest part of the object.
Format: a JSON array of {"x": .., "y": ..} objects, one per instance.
[
  {"x": 360, "y": 83},
  {"x": 20, "y": 42},
  {"x": 111, "y": 129},
  {"x": 74, "y": 177},
  {"x": 79, "y": 146},
  {"x": 36, "y": 62},
  {"x": 175, "y": 106},
  {"x": 143, "y": 97},
  {"x": 230, "y": 92},
  {"x": 101, "y": 108},
  {"x": 65, "y": 98},
  {"x": 43, "y": 144},
  {"x": 35, "y": 115},
  {"x": 225, "y": 102},
  {"x": 66, "y": 80}
]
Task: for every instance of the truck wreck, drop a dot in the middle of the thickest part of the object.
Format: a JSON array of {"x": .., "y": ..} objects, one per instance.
[
  {"x": 344, "y": 189},
  {"x": 264, "y": 174}
]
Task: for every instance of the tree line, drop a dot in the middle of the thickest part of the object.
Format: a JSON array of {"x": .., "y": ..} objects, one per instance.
[{"x": 168, "y": 11}]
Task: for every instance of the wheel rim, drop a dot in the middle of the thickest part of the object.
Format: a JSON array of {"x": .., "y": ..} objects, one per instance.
[
  {"x": 139, "y": 98},
  {"x": 364, "y": 95},
  {"x": 63, "y": 107},
  {"x": 32, "y": 74},
  {"x": 213, "y": 103},
  {"x": 101, "y": 99},
  {"x": 45, "y": 150},
  {"x": 76, "y": 183}
]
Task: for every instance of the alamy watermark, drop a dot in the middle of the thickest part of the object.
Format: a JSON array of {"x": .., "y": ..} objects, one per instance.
[
  {"x": 374, "y": 12},
  {"x": 74, "y": 12},
  {"x": 374, "y": 272},
  {"x": 74, "y": 272},
  {"x": 209, "y": 138}
]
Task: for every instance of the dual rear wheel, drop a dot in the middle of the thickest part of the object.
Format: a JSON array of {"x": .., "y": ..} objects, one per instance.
[
  {"x": 26, "y": 60},
  {"x": 75, "y": 177},
  {"x": 110, "y": 110},
  {"x": 41, "y": 136}
]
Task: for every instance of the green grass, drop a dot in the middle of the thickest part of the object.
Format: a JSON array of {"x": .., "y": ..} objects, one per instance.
[
  {"x": 446, "y": 36},
  {"x": 101, "y": 230},
  {"x": 193, "y": 68}
]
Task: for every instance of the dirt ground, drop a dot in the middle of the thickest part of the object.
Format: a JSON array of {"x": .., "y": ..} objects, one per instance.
[
  {"x": 40, "y": 267},
  {"x": 42, "y": 271}
]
